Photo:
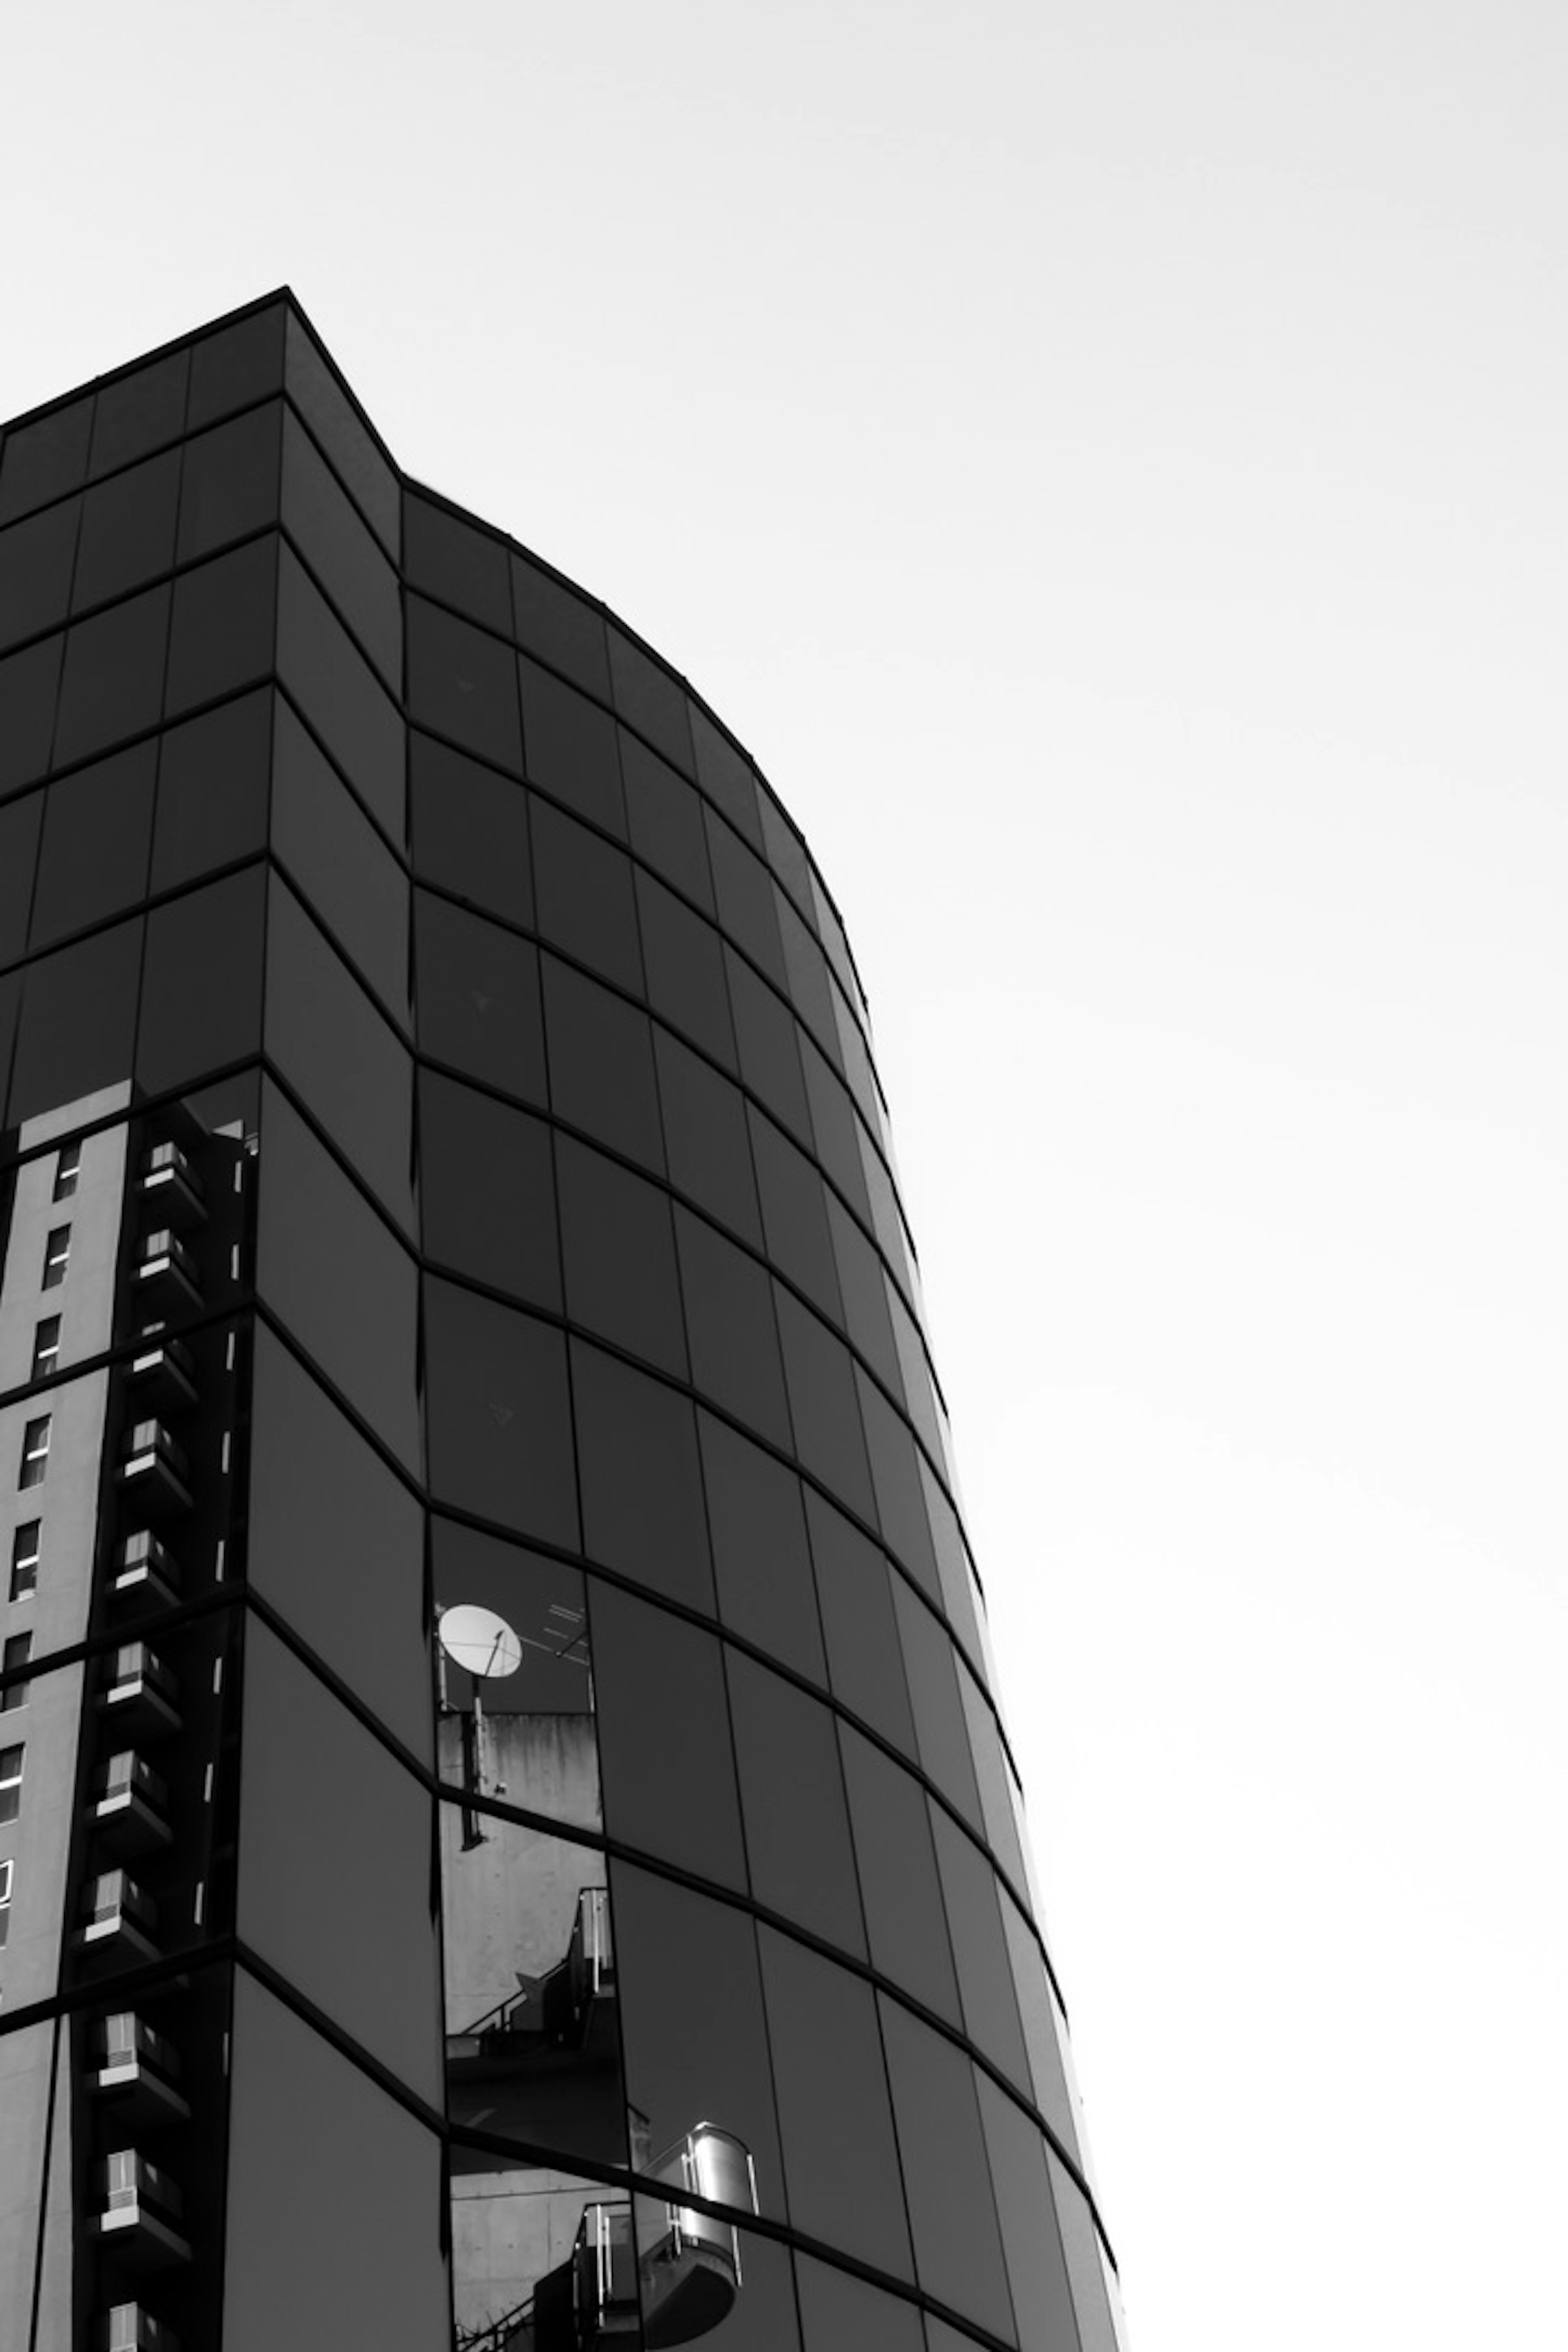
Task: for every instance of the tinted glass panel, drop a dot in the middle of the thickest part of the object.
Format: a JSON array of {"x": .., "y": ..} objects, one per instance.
[
  {"x": 141, "y": 412},
  {"x": 664, "y": 815},
  {"x": 899, "y": 1883},
  {"x": 97, "y": 831},
  {"x": 212, "y": 789},
  {"x": 835, "y": 1129},
  {"x": 664, "y": 1735},
  {"x": 980, "y": 1949},
  {"x": 114, "y": 678},
  {"x": 478, "y": 990},
  {"x": 355, "y": 886},
  {"x": 706, "y": 1135},
  {"x": 619, "y": 1252},
  {"x": 343, "y": 433},
  {"x": 1037, "y": 2270},
  {"x": 339, "y": 694},
  {"x": 864, "y": 1288},
  {"x": 224, "y": 630},
  {"x": 79, "y": 1016},
  {"x": 894, "y": 1474},
  {"x": 341, "y": 551},
  {"x": 792, "y": 1796},
  {"x": 859, "y": 1624},
  {"x": 1043, "y": 2030},
  {"x": 840, "y": 2160},
  {"x": 795, "y": 1214},
  {"x": 500, "y": 1426},
  {"x": 1080, "y": 2244},
  {"x": 552, "y": 621},
  {"x": 686, "y": 984},
  {"x": 838, "y": 2309},
  {"x": 642, "y": 1487},
  {"x": 583, "y": 889},
  {"x": 745, "y": 893},
  {"x": 41, "y": 459},
  {"x": 28, "y": 684},
  {"x": 653, "y": 700},
  {"x": 730, "y": 1318},
  {"x": 460, "y": 565},
  {"x": 487, "y": 1190},
  {"x": 725, "y": 778},
  {"x": 761, "y": 1560},
  {"x": 765, "y": 1033},
  {"x": 601, "y": 1065},
  {"x": 933, "y": 1692},
  {"x": 20, "y": 824},
  {"x": 127, "y": 531},
  {"x": 187, "y": 1030},
  {"x": 823, "y": 1404},
  {"x": 570, "y": 747},
  {"x": 958, "y": 2249},
  {"x": 470, "y": 830},
  {"x": 238, "y": 363},
  {"x": 524, "y": 1733},
  {"x": 231, "y": 482},
  {"x": 463, "y": 683},
  {"x": 36, "y": 571}
]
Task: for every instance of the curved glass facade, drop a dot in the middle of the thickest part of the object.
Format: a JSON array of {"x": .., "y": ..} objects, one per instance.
[{"x": 506, "y": 1835}]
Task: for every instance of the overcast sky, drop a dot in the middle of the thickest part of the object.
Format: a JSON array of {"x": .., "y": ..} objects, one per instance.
[{"x": 1107, "y": 463}]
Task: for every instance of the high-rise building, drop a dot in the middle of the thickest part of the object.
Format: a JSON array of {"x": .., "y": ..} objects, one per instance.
[{"x": 506, "y": 1841}]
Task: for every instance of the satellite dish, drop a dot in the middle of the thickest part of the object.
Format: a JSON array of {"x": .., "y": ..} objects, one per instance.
[{"x": 478, "y": 1641}]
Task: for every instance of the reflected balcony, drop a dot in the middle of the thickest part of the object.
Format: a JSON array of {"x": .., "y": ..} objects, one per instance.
[
  {"x": 155, "y": 1470},
  {"x": 130, "y": 2327},
  {"x": 171, "y": 1188},
  {"x": 122, "y": 1927},
  {"x": 167, "y": 1281},
  {"x": 690, "y": 2262},
  {"x": 139, "y": 1698},
  {"x": 163, "y": 1374},
  {"x": 131, "y": 1806},
  {"x": 141, "y": 2213},
  {"x": 146, "y": 1573},
  {"x": 137, "y": 2073}
]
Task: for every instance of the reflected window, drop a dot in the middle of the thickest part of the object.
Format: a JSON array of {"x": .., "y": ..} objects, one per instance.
[
  {"x": 46, "y": 1347},
  {"x": 541, "y": 2262},
  {"x": 10, "y": 1781},
  {"x": 68, "y": 1169},
  {"x": 24, "y": 1551},
  {"x": 57, "y": 1257},
  {"x": 7, "y": 1882},
  {"x": 514, "y": 1679},
  {"x": 18, "y": 1649},
  {"x": 34, "y": 1452}
]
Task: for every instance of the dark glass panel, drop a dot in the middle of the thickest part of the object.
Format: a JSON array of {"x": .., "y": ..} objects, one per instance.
[
  {"x": 1045, "y": 2031},
  {"x": 1031, "y": 2243},
  {"x": 325, "y": 2166},
  {"x": 729, "y": 1320},
  {"x": 894, "y": 1474},
  {"x": 792, "y": 1796},
  {"x": 201, "y": 992},
  {"x": 41, "y": 460},
  {"x": 583, "y": 889},
  {"x": 463, "y": 683},
  {"x": 230, "y": 486},
  {"x": 552, "y": 621},
  {"x": 619, "y": 1255},
  {"x": 726, "y": 778},
  {"x": 761, "y": 1560},
  {"x": 477, "y": 993},
  {"x": 864, "y": 1661},
  {"x": 541, "y": 2262},
  {"x": 991, "y": 1771},
  {"x": 899, "y": 1882},
  {"x": 487, "y": 1190},
  {"x": 523, "y": 1733},
  {"x": 686, "y": 984},
  {"x": 917, "y": 1384},
  {"x": 79, "y": 1017},
  {"x": 334, "y": 420},
  {"x": 838, "y": 2310},
  {"x": 223, "y": 625},
  {"x": 335, "y": 1542},
  {"x": 785, "y": 852},
  {"x": 653, "y": 701},
  {"x": 10, "y": 1007},
  {"x": 28, "y": 684},
  {"x": 795, "y": 1214},
  {"x": 98, "y": 830},
  {"x": 354, "y": 884},
  {"x": 336, "y": 1278},
  {"x": 601, "y": 1065},
  {"x": 1086, "y": 2266},
  {"x": 341, "y": 551},
  {"x": 865, "y": 1293},
  {"x": 745, "y": 895},
  {"x": 20, "y": 824},
  {"x": 141, "y": 411},
  {"x": 212, "y": 789},
  {"x": 642, "y": 1485},
  {"x": 664, "y": 816},
  {"x": 841, "y": 2160},
  {"x": 569, "y": 745},
  {"x": 958, "y": 2248},
  {"x": 705, "y": 1132},
  {"x": 769, "y": 1059},
  {"x": 809, "y": 986},
  {"x": 239, "y": 364},
  {"x": 340, "y": 1053},
  {"x": 36, "y": 559},
  {"x": 113, "y": 683},
  {"x": 980, "y": 1949},
  {"x": 886, "y": 1221},
  {"x": 830, "y": 930},
  {"x": 664, "y": 1737},
  {"x": 497, "y": 1411},
  {"x": 678, "y": 2244},
  {"x": 127, "y": 531},
  {"x": 823, "y": 1407},
  {"x": 933, "y": 1695},
  {"x": 448, "y": 557},
  {"x": 470, "y": 830},
  {"x": 341, "y": 695},
  {"x": 335, "y": 1840}
]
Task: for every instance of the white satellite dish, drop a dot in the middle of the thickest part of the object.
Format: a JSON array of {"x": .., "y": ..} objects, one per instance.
[{"x": 478, "y": 1641}]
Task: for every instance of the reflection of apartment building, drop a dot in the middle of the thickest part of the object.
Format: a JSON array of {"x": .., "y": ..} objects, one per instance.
[{"x": 506, "y": 1843}]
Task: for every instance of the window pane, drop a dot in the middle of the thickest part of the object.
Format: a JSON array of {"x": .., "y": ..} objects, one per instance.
[
  {"x": 899, "y": 1883},
  {"x": 36, "y": 559},
  {"x": 42, "y": 459},
  {"x": 705, "y": 1133},
  {"x": 836, "y": 1129},
  {"x": 97, "y": 831},
  {"x": 823, "y": 1404},
  {"x": 496, "y": 1412},
  {"x": 28, "y": 684},
  {"x": 601, "y": 1065},
  {"x": 320, "y": 1497},
  {"x": 669, "y": 1766},
  {"x": 895, "y": 1476},
  {"x": 1035, "y": 2268},
  {"x": 212, "y": 789},
  {"x": 795, "y": 1215},
  {"x": 463, "y": 683},
  {"x": 859, "y": 1624},
  {"x": 470, "y": 830},
  {"x": 570, "y": 748},
  {"x": 583, "y": 889},
  {"x": 140, "y": 412},
  {"x": 333, "y": 1837},
  {"x": 958, "y": 2248},
  {"x": 231, "y": 482},
  {"x": 187, "y": 1030},
  {"x": 664, "y": 816},
  {"x": 454, "y": 562},
  {"x": 770, "y": 1059},
  {"x": 730, "y": 1317},
  {"x": 113, "y": 683},
  {"x": 552, "y": 621},
  {"x": 642, "y": 1487},
  {"x": 655, "y": 702},
  {"x": 341, "y": 551},
  {"x": 1044, "y": 2030},
  {"x": 127, "y": 531},
  {"x": 725, "y": 777},
  {"x": 838, "y": 2309},
  {"x": 79, "y": 1016},
  {"x": 333, "y": 418},
  {"x": 619, "y": 1253},
  {"x": 224, "y": 630},
  {"x": 686, "y": 984},
  {"x": 477, "y": 993},
  {"x": 341, "y": 695},
  {"x": 1080, "y": 2244},
  {"x": 756, "y": 2273},
  {"x": 236, "y": 365},
  {"x": 691, "y": 2019},
  {"x": 933, "y": 1694},
  {"x": 20, "y": 824},
  {"x": 523, "y": 1733},
  {"x": 761, "y": 1560},
  {"x": 487, "y": 1190},
  {"x": 864, "y": 1288},
  {"x": 340, "y": 862},
  {"x": 745, "y": 894},
  {"x": 840, "y": 2160},
  {"x": 980, "y": 1949},
  {"x": 792, "y": 1796}
]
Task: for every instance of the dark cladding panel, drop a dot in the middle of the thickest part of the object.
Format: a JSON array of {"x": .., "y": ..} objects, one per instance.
[
  {"x": 725, "y": 777},
  {"x": 341, "y": 551},
  {"x": 212, "y": 789},
  {"x": 953, "y": 2210},
  {"x": 141, "y": 411},
  {"x": 730, "y": 1318},
  {"x": 487, "y": 1190},
  {"x": 127, "y": 531},
  {"x": 112, "y": 684},
  {"x": 1036, "y": 2270},
  {"x": 225, "y": 625},
  {"x": 620, "y": 1256},
  {"x": 21, "y": 822},
  {"x": 98, "y": 829},
  {"x": 854, "y": 1587},
  {"x": 78, "y": 1021},
  {"x": 477, "y": 988},
  {"x": 560, "y": 626},
  {"x": 239, "y": 364},
  {"x": 642, "y": 1482},
  {"x": 341, "y": 695},
  {"x": 601, "y": 1065},
  {"x": 29, "y": 682},
  {"x": 44, "y": 459},
  {"x": 582, "y": 888},
  {"x": 569, "y": 746},
  {"x": 705, "y": 1137},
  {"x": 792, "y": 1796},
  {"x": 653, "y": 700},
  {"x": 760, "y": 1558},
  {"x": 462, "y": 683},
  {"x": 450, "y": 559},
  {"x": 496, "y": 1412},
  {"x": 230, "y": 485},
  {"x": 469, "y": 830},
  {"x": 188, "y": 1029},
  {"x": 685, "y": 960},
  {"x": 314, "y": 388},
  {"x": 36, "y": 558},
  {"x": 899, "y": 1882},
  {"x": 838, "y": 2309},
  {"x": 664, "y": 1737},
  {"x": 980, "y": 1948},
  {"x": 664, "y": 816},
  {"x": 354, "y": 883}
]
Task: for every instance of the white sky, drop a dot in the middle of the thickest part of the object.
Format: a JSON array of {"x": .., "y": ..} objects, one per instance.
[{"x": 1108, "y": 464}]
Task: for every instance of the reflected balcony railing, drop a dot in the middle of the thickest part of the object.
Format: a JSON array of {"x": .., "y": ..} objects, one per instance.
[
  {"x": 131, "y": 1807},
  {"x": 139, "y": 1692},
  {"x": 141, "y": 2210},
  {"x": 145, "y": 1571},
  {"x": 166, "y": 1273},
  {"x": 689, "y": 2261},
  {"x": 130, "y": 2327},
  {"x": 156, "y": 1469},
  {"x": 169, "y": 1182},
  {"x": 163, "y": 1372},
  {"x": 138, "y": 2072}
]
